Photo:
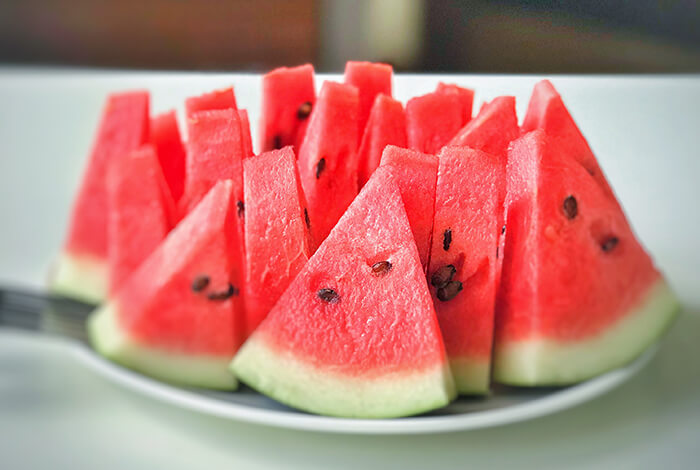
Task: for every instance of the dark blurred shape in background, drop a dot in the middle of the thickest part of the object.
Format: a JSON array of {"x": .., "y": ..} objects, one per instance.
[{"x": 415, "y": 35}]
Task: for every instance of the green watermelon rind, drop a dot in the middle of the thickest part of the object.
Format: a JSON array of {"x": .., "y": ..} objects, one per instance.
[
  {"x": 301, "y": 385},
  {"x": 80, "y": 277},
  {"x": 472, "y": 375},
  {"x": 110, "y": 340},
  {"x": 545, "y": 362}
]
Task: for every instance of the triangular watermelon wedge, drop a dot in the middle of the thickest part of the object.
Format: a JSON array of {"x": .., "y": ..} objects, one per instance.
[
  {"x": 355, "y": 334},
  {"x": 579, "y": 295},
  {"x": 217, "y": 99},
  {"x": 328, "y": 157},
  {"x": 464, "y": 96},
  {"x": 276, "y": 232},
  {"x": 432, "y": 120},
  {"x": 371, "y": 79},
  {"x": 464, "y": 261},
  {"x": 178, "y": 317},
  {"x": 246, "y": 139},
  {"x": 492, "y": 129},
  {"x": 415, "y": 174},
  {"x": 165, "y": 136},
  {"x": 81, "y": 270},
  {"x": 547, "y": 111},
  {"x": 386, "y": 126},
  {"x": 141, "y": 211}
]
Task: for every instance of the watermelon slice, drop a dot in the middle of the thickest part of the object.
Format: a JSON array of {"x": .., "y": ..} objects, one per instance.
[
  {"x": 386, "y": 126},
  {"x": 370, "y": 79},
  {"x": 214, "y": 152},
  {"x": 415, "y": 173},
  {"x": 465, "y": 96},
  {"x": 217, "y": 99},
  {"x": 276, "y": 233},
  {"x": 165, "y": 136},
  {"x": 464, "y": 268},
  {"x": 288, "y": 98},
  {"x": 579, "y": 295},
  {"x": 246, "y": 139},
  {"x": 178, "y": 316},
  {"x": 140, "y": 212},
  {"x": 492, "y": 129},
  {"x": 432, "y": 120},
  {"x": 328, "y": 159},
  {"x": 355, "y": 334},
  {"x": 81, "y": 268},
  {"x": 547, "y": 111}
]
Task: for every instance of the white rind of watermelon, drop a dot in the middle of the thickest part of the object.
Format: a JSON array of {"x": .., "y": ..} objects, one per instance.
[
  {"x": 471, "y": 376},
  {"x": 83, "y": 278},
  {"x": 110, "y": 340},
  {"x": 393, "y": 395},
  {"x": 541, "y": 362}
]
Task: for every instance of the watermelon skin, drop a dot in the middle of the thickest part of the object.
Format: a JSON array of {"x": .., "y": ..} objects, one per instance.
[
  {"x": 328, "y": 158},
  {"x": 432, "y": 120},
  {"x": 589, "y": 304},
  {"x": 158, "y": 324},
  {"x": 165, "y": 137},
  {"x": 415, "y": 174},
  {"x": 386, "y": 126},
  {"x": 547, "y": 111},
  {"x": 81, "y": 269},
  {"x": 140, "y": 212},
  {"x": 371, "y": 79},
  {"x": 376, "y": 351},
  {"x": 214, "y": 152},
  {"x": 466, "y": 234},
  {"x": 492, "y": 129},
  {"x": 246, "y": 139},
  {"x": 465, "y": 96},
  {"x": 276, "y": 234},
  {"x": 217, "y": 99},
  {"x": 285, "y": 90}
]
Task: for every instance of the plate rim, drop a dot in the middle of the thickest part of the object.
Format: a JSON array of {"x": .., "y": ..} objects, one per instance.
[{"x": 553, "y": 402}]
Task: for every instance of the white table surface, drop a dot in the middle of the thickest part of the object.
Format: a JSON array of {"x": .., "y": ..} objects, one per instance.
[{"x": 54, "y": 413}]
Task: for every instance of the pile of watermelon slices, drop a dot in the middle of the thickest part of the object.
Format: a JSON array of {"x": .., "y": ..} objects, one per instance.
[{"x": 371, "y": 260}]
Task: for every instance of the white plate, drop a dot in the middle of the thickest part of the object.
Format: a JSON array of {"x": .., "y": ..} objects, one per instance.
[{"x": 506, "y": 405}]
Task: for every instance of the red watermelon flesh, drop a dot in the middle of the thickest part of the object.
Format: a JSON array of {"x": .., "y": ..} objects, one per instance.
[
  {"x": 386, "y": 126},
  {"x": 288, "y": 98},
  {"x": 370, "y": 79},
  {"x": 492, "y": 129},
  {"x": 81, "y": 269},
  {"x": 165, "y": 136},
  {"x": 214, "y": 152},
  {"x": 217, "y": 99},
  {"x": 547, "y": 111},
  {"x": 465, "y": 96},
  {"x": 246, "y": 140},
  {"x": 579, "y": 295},
  {"x": 276, "y": 233},
  {"x": 432, "y": 120},
  {"x": 355, "y": 334},
  {"x": 178, "y": 317},
  {"x": 140, "y": 212},
  {"x": 415, "y": 174},
  {"x": 464, "y": 267},
  {"x": 328, "y": 159}
]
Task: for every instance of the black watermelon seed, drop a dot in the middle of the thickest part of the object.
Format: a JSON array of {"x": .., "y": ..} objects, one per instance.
[
  {"x": 442, "y": 276},
  {"x": 277, "y": 142},
  {"x": 304, "y": 110},
  {"x": 306, "y": 218},
  {"x": 224, "y": 294},
  {"x": 240, "y": 208},
  {"x": 446, "y": 239},
  {"x": 328, "y": 295},
  {"x": 497, "y": 248},
  {"x": 609, "y": 244},
  {"x": 503, "y": 230},
  {"x": 449, "y": 291},
  {"x": 320, "y": 166},
  {"x": 200, "y": 283},
  {"x": 381, "y": 268},
  {"x": 570, "y": 207}
]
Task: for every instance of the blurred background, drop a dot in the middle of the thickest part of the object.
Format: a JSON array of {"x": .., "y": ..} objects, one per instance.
[{"x": 567, "y": 36}]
